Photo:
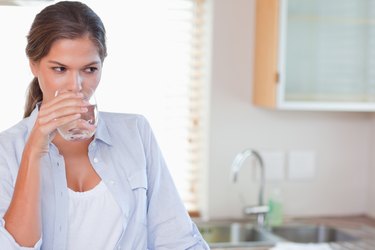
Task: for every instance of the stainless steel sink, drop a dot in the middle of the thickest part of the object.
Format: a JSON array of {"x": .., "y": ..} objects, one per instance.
[
  {"x": 221, "y": 234},
  {"x": 233, "y": 234},
  {"x": 311, "y": 233}
]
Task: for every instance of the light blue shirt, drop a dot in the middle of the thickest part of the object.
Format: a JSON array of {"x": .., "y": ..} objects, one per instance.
[{"x": 126, "y": 156}]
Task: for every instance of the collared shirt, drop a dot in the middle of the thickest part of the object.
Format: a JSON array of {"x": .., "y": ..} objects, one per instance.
[{"x": 125, "y": 154}]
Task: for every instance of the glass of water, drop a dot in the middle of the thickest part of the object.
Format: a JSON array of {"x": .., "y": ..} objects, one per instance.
[{"x": 84, "y": 127}]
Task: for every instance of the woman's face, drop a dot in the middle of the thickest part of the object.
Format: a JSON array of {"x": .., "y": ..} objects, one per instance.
[{"x": 70, "y": 65}]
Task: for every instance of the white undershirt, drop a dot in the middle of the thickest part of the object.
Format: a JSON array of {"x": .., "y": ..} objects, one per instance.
[{"x": 94, "y": 219}]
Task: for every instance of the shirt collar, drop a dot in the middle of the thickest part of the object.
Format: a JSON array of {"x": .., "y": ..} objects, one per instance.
[{"x": 101, "y": 133}]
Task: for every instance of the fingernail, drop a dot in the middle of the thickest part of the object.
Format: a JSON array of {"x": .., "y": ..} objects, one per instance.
[{"x": 84, "y": 109}]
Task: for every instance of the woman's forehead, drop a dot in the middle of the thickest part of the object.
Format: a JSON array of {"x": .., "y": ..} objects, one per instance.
[{"x": 73, "y": 51}]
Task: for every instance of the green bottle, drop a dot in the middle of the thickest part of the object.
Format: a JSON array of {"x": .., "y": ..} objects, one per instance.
[{"x": 275, "y": 214}]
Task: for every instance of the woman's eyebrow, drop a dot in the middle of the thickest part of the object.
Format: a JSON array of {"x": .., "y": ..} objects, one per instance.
[
  {"x": 55, "y": 62},
  {"x": 63, "y": 65},
  {"x": 92, "y": 63}
]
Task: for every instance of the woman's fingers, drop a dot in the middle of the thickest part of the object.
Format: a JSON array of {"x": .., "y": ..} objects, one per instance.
[
  {"x": 51, "y": 126},
  {"x": 62, "y": 96},
  {"x": 65, "y": 103},
  {"x": 60, "y": 113},
  {"x": 60, "y": 110},
  {"x": 65, "y": 120}
]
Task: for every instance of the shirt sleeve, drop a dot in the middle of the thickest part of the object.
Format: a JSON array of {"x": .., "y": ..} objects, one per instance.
[
  {"x": 6, "y": 192},
  {"x": 169, "y": 224}
]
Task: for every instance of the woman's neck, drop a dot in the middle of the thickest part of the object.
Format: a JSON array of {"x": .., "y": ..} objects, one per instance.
[{"x": 69, "y": 148}]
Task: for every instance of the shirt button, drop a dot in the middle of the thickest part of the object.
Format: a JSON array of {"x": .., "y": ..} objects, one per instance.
[
  {"x": 58, "y": 164},
  {"x": 112, "y": 182},
  {"x": 96, "y": 160}
]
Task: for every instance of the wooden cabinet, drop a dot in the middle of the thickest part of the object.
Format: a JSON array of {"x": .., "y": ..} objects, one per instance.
[{"x": 315, "y": 55}]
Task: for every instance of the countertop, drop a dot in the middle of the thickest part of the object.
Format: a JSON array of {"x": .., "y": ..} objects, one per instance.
[{"x": 362, "y": 227}]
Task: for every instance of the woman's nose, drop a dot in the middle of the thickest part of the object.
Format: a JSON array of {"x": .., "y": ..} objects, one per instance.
[{"x": 75, "y": 82}]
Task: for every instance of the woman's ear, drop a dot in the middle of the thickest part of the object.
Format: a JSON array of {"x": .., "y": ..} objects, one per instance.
[{"x": 34, "y": 66}]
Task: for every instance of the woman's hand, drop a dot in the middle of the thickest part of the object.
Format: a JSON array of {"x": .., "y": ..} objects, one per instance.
[{"x": 62, "y": 109}]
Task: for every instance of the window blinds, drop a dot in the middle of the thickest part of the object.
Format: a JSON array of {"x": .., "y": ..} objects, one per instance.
[
  {"x": 184, "y": 102},
  {"x": 159, "y": 51}
]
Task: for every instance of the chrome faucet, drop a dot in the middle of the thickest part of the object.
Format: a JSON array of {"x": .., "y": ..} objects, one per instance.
[{"x": 261, "y": 209}]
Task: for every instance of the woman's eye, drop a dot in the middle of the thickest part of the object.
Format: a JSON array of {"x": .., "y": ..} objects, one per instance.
[
  {"x": 59, "y": 69},
  {"x": 91, "y": 69}
]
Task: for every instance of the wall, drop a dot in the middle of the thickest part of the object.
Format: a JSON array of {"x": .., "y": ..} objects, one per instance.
[
  {"x": 371, "y": 174},
  {"x": 341, "y": 141}
]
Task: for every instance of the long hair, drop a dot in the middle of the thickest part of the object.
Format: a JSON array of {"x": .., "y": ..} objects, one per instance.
[{"x": 63, "y": 20}]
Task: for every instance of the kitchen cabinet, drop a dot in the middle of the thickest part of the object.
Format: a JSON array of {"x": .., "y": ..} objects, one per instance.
[{"x": 315, "y": 55}]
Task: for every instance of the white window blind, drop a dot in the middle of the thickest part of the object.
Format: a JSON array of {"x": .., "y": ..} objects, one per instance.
[{"x": 154, "y": 67}]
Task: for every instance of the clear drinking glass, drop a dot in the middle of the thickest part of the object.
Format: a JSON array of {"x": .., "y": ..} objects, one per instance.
[{"x": 84, "y": 127}]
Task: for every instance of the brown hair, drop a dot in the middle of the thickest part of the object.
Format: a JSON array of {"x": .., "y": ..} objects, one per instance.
[{"x": 63, "y": 20}]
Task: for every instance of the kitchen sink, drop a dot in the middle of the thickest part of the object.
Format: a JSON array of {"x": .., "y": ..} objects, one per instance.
[
  {"x": 311, "y": 233},
  {"x": 221, "y": 234},
  {"x": 236, "y": 234}
]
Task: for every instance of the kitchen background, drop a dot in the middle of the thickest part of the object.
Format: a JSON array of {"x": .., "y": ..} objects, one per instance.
[{"x": 342, "y": 143}]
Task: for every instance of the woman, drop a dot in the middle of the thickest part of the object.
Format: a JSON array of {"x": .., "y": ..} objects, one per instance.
[{"x": 112, "y": 191}]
